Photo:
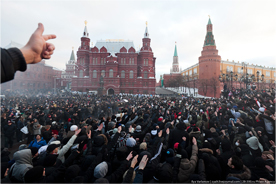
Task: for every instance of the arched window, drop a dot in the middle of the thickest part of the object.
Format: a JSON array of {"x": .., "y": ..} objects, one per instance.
[
  {"x": 145, "y": 74},
  {"x": 103, "y": 73},
  {"x": 231, "y": 69},
  {"x": 123, "y": 74},
  {"x": 124, "y": 61},
  {"x": 80, "y": 74},
  {"x": 227, "y": 69},
  {"x": 101, "y": 61},
  {"x": 131, "y": 74},
  {"x": 130, "y": 61},
  {"x": 94, "y": 73},
  {"x": 133, "y": 61},
  {"x": 104, "y": 61},
  {"x": 110, "y": 73}
]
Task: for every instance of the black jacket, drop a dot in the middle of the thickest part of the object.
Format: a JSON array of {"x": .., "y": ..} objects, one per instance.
[
  {"x": 11, "y": 60},
  {"x": 9, "y": 130}
]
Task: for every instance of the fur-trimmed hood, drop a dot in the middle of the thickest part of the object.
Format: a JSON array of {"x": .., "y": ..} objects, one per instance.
[{"x": 245, "y": 175}]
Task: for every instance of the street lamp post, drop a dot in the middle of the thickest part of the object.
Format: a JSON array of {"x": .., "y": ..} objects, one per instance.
[{"x": 262, "y": 79}]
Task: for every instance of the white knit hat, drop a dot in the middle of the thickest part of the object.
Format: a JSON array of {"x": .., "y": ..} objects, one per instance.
[
  {"x": 73, "y": 128},
  {"x": 261, "y": 109}
]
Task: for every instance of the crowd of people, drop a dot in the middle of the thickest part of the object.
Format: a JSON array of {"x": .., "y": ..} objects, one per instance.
[{"x": 72, "y": 138}]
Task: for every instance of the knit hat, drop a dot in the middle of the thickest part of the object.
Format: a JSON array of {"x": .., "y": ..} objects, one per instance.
[
  {"x": 69, "y": 119},
  {"x": 52, "y": 147},
  {"x": 111, "y": 125},
  {"x": 160, "y": 119},
  {"x": 84, "y": 124},
  {"x": 73, "y": 128},
  {"x": 34, "y": 150},
  {"x": 143, "y": 146},
  {"x": 101, "y": 170},
  {"x": 184, "y": 153},
  {"x": 253, "y": 143},
  {"x": 34, "y": 174},
  {"x": 170, "y": 152},
  {"x": 176, "y": 145},
  {"x": 55, "y": 142},
  {"x": 50, "y": 160},
  {"x": 71, "y": 173},
  {"x": 138, "y": 128},
  {"x": 22, "y": 146},
  {"x": 147, "y": 137},
  {"x": 130, "y": 142},
  {"x": 212, "y": 129}
]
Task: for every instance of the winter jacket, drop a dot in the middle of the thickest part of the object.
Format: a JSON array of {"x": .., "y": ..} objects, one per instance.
[
  {"x": 177, "y": 134},
  {"x": 187, "y": 167},
  {"x": 245, "y": 174},
  {"x": 11, "y": 60},
  {"x": 36, "y": 144},
  {"x": 9, "y": 130},
  {"x": 36, "y": 128},
  {"x": 23, "y": 162}
]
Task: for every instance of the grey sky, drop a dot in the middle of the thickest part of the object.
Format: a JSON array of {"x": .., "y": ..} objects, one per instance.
[{"x": 243, "y": 30}]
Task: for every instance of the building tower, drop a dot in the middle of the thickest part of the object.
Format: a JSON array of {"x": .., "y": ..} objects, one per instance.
[
  {"x": 175, "y": 65},
  {"x": 146, "y": 60},
  {"x": 209, "y": 63},
  {"x": 82, "y": 54}
]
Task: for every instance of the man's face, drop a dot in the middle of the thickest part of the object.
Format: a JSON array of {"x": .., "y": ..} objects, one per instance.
[
  {"x": 230, "y": 162},
  {"x": 55, "y": 151}
]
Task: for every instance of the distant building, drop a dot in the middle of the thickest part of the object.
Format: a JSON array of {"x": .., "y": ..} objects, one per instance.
[
  {"x": 37, "y": 76},
  {"x": 114, "y": 66},
  {"x": 174, "y": 72}
]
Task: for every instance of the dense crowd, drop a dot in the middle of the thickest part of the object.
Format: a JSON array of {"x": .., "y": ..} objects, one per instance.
[{"x": 73, "y": 138}]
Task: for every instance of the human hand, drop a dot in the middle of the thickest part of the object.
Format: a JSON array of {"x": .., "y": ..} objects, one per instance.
[
  {"x": 264, "y": 181},
  {"x": 119, "y": 129},
  {"x": 270, "y": 157},
  {"x": 223, "y": 132},
  {"x": 272, "y": 143},
  {"x": 100, "y": 127},
  {"x": 134, "y": 161},
  {"x": 89, "y": 134},
  {"x": 77, "y": 131},
  {"x": 167, "y": 131},
  {"x": 143, "y": 162},
  {"x": 37, "y": 48},
  {"x": 6, "y": 173},
  {"x": 268, "y": 168},
  {"x": 130, "y": 129},
  {"x": 160, "y": 133},
  {"x": 194, "y": 141},
  {"x": 129, "y": 156},
  {"x": 250, "y": 133}
]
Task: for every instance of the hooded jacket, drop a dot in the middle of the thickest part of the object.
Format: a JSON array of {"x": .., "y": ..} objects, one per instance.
[
  {"x": 23, "y": 162},
  {"x": 187, "y": 167}
]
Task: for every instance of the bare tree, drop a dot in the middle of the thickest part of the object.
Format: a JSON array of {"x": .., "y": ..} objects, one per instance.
[
  {"x": 203, "y": 83},
  {"x": 214, "y": 83}
]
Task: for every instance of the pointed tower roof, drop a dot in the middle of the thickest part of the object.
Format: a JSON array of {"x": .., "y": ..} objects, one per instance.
[
  {"x": 175, "y": 50},
  {"x": 72, "y": 58},
  {"x": 85, "y": 32},
  {"x": 146, "y": 35},
  {"x": 209, "y": 39},
  {"x": 209, "y": 22}
]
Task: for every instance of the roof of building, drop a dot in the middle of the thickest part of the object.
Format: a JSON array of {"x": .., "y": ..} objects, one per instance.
[
  {"x": 72, "y": 58},
  {"x": 14, "y": 44},
  {"x": 175, "y": 51},
  {"x": 114, "y": 46},
  {"x": 146, "y": 35},
  {"x": 209, "y": 22}
]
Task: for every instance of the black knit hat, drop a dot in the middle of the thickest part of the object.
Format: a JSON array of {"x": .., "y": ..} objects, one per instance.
[
  {"x": 34, "y": 174},
  {"x": 50, "y": 160},
  {"x": 34, "y": 150},
  {"x": 52, "y": 147}
]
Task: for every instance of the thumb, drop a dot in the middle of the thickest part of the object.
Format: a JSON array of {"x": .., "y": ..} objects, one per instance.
[{"x": 40, "y": 29}]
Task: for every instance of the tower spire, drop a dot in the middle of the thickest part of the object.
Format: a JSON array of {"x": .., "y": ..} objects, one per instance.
[
  {"x": 85, "y": 32},
  {"x": 72, "y": 57},
  {"x": 209, "y": 39},
  {"x": 175, "y": 50},
  {"x": 146, "y": 35}
]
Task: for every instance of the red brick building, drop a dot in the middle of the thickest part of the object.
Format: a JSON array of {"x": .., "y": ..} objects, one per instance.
[
  {"x": 114, "y": 66},
  {"x": 37, "y": 76}
]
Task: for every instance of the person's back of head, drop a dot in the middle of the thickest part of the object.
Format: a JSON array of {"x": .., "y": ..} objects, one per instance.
[{"x": 237, "y": 163}]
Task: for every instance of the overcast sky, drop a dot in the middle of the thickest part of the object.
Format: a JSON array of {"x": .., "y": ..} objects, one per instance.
[{"x": 243, "y": 30}]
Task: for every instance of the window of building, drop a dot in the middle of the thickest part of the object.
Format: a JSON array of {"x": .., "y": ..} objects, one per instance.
[
  {"x": 122, "y": 74},
  {"x": 81, "y": 74},
  {"x": 186, "y": 73},
  {"x": 104, "y": 60},
  {"x": 250, "y": 71},
  {"x": 195, "y": 70},
  {"x": 110, "y": 73},
  {"x": 133, "y": 61},
  {"x": 239, "y": 70},
  {"x": 267, "y": 74},
  {"x": 131, "y": 74},
  {"x": 96, "y": 61},
  {"x": 260, "y": 72},
  {"x": 101, "y": 61},
  {"x": 122, "y": 61},
  {"x": 103, "y": 73},
  {"x": 274, "y": 74},
  {"x": 93, "y": 61},
  {"x": 130, "y": 61},
  {"x": 94, "y": 73},
  {"x": 144, "y": 61},
  {"x": 147, "y": 62},
  {"x": 145, "y": 74},
  {"x": 190, "y": 72}
]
